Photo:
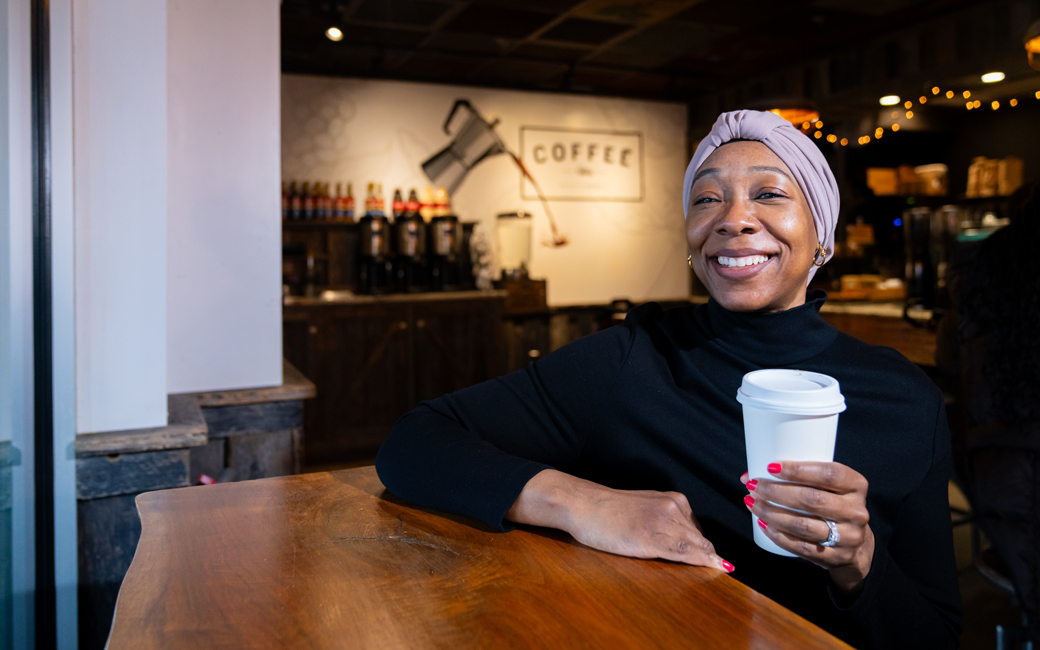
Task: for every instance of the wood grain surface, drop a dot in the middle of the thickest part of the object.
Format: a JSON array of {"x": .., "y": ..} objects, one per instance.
[
  {"x": 915, "y": 343},
  {"x": 332, "y": 560}
]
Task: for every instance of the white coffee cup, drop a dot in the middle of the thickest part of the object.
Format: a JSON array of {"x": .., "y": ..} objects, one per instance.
[{"x": 789, "y": 415}]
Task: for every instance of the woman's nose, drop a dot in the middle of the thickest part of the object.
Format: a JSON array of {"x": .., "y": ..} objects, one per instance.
[{"x": 737, "y": 219}]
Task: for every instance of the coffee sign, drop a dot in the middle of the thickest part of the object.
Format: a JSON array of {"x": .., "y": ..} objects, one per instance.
[{"x": 582, "y": 164}]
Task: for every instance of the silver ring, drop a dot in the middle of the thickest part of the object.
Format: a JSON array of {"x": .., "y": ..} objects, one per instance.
[{"x": 833, "y": 537}]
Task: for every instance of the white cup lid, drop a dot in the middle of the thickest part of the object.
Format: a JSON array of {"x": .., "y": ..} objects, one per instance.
[{"x": 796, "y": 392}]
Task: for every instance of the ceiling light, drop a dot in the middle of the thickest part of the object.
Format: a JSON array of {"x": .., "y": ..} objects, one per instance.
[
  {"x": 334, "y": 34},
  {"x": 992, "y": 77},
  {"x": 889, "y": 100},
  {"x": 1032, "y": 44},
  {"x": 797, "y": 116}
]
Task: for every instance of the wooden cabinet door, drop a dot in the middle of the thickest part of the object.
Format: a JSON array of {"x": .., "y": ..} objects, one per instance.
[
  {"x": 360, "y": 365},
  {"x": 456, "y": 344}
]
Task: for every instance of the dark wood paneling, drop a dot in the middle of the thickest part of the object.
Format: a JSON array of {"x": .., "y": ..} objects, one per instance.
[
  {"x": 108, "y": 533},
  {"x": 374, "y": 361},
  {"x": 207, "y": 459},
  {"x": 106, "y": 476},
  {"x": 224, "y": 421},
  {"x": 263, "y": 455}
]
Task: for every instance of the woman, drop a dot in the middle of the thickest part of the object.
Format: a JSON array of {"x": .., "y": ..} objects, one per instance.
[{"x": 632, "y": 441}]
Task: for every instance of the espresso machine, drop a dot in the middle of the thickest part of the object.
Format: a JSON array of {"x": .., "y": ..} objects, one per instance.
[
  {"x": 375, "y": 274},
  {"x": 409, "y": 268},
  {"x": 445, "y": 246}
]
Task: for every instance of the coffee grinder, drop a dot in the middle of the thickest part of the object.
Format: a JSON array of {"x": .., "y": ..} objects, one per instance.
[
  {"x": 409, "y": 248},
  {"x": 445, "y": 245},
  {"x": 375, "y": 275}
]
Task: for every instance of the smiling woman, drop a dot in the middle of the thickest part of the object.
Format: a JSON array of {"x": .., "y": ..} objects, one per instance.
[{"x": 632, "y": 440}]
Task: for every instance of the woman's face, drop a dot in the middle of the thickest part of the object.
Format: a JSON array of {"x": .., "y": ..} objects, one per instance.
[{"x": 750, "y": 231}]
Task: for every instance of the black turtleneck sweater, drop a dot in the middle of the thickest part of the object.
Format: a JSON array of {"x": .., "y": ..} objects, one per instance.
[{"x": 651, "y": 405}]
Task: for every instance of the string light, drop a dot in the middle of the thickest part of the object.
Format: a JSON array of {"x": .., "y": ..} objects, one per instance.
[
  {"x": 818, "y": 135},
  {"x": 1038, "y": 94},
  {"x": 935, "y": 90},
  {"x": 994, "y": 105},
  {"x": 909, "y": 115},
  {"x": 895, "y": 114},
  {"x": 889, "y": 100},
  {"x": 922, "y": 99},
  {"x": 334, "y": 34},
  {"x": 805, "y": 126},
  {"x": 844, "y": 141},
  {"x": 819, "y": 124},
  {"x": 1014, "y": 102},
  {"x": 970, "y": 105},
  {"x": 967, "y": 94},
  {"x": 895, "y": 127},
  {"x": 992, "y": 77},
  {"x": 977, "y": 103},
  {"x": 832, "y": 138},
  {"x": 949, "y": 94},
  {"x": 908, "y": 104}
]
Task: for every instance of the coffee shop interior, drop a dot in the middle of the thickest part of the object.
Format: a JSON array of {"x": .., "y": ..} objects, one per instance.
[{"x": 241, "y": 239}]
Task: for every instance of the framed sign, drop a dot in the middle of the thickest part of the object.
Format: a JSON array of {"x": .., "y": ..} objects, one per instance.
[{"x": 582, "y": 164}]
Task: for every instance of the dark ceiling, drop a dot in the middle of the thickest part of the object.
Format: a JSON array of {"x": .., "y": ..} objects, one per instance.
[{"x": 665, "y": 49}]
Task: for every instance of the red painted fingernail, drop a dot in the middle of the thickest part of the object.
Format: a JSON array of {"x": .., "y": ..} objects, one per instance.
[
  {"x": 752, "y": 484},
  {"x": 763, "y": 524},
  {"x": 727, "y": 566},
  {"x": 773, "y": 468},
  {"x": 744, "y": 475},
  {"x": 749, "y": 502}
]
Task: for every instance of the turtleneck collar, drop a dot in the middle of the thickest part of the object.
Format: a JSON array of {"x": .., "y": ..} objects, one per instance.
[{"x": 770, "y": 339}]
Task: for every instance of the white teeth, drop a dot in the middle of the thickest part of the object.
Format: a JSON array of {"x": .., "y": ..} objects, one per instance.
[{"x": 736, "y": 262}]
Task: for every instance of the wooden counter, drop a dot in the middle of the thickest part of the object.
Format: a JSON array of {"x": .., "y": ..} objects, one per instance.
[{"x": 331, "y": 560}]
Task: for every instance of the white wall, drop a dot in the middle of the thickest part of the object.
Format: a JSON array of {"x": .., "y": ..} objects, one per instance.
[
  {"x": 361, "y": 130},
  {"x": 224, "y": 223},
  {"x": 119, "y": 89}
]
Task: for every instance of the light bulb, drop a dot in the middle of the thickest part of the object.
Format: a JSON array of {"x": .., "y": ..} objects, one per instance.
[
  {"x": 967, "y": 94},
  {"x": 889, "y": 100},
  {"x": 935, "y": 90},
  {"x": 844, "y": 141},
  {"x": 1014, "y": 102},
  {"x": 334, "y": 34},
  {"x": 895, "y": 127},
  {"x": 908, "y": 104},
  {"x": 992, "y": 77},
  {"x": 909, "y": 115},
  {"x": 949, "y": 94},
  {"x": 994, "y": 105}
]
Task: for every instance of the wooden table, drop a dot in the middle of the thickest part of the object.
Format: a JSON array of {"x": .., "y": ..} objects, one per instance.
[
  {"x": 915, "y": 343},
  {"x": 332, "y": 560}
]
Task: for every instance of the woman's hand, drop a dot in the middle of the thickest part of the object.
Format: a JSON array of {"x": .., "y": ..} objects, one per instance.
[
  {"x": 642, "y": 523},
  {"x": 826, "y": 491}
]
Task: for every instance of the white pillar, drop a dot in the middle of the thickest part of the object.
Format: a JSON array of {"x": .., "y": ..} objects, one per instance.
[{"x": 119, "y": 116}]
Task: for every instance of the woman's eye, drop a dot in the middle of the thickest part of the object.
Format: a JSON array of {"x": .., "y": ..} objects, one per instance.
[
  {"x": 770, "y": 195},
  {"x": 703, "y": 200}
]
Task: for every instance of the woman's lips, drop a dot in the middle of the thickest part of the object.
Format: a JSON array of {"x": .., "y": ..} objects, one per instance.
[{"x": 749, "y": 269}]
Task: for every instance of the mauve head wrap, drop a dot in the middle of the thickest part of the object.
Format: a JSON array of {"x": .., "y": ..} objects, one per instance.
[{"x": 799, "y": 153}]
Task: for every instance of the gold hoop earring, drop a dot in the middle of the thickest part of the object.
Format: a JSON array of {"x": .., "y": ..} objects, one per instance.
[
  {"x": 689, "y": 260},
  {"x": 820, "y": 256}
]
